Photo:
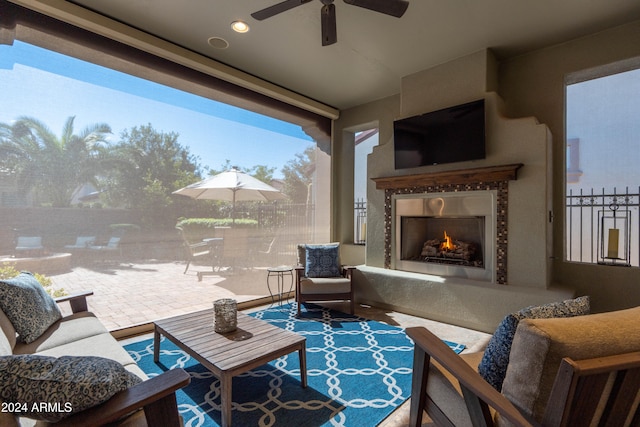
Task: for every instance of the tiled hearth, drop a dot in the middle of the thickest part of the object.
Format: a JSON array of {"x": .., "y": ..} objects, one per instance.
[{"x": 479, "y": 179}]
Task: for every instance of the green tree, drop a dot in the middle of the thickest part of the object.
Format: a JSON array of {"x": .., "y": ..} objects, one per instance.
[
  {"x": 298, "y": 175},
  {"x": 153, "y": 164},
  {"x": 54, "y": 167},
  {"x": 262, "y": 172}
]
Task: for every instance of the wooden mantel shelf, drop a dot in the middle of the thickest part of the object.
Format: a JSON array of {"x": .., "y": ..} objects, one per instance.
[{"x": 461, "y": 176}]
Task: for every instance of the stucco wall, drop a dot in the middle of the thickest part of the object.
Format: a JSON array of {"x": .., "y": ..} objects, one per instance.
[
  {"x": 530, "y": 85},
  {"x": 533, "y": 84},
  {"x": 509, "y": 141}
]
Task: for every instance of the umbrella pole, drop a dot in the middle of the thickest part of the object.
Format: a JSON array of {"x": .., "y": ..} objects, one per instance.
[{"x": 233, "y": 208}]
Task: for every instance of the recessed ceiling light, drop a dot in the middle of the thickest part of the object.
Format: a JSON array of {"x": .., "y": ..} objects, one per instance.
[
  {"x": 240, "y": 26},
  {"x": 218, "y": 42}
]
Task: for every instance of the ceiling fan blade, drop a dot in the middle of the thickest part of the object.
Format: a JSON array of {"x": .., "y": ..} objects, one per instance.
[
  {"x": 395, "y": 8},
  {"x": 328, "y": 20},
  {"x": 270, "y": 11}
]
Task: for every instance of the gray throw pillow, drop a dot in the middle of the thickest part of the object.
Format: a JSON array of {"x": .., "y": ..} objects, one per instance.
[
  {"x": 51, "y": 389},
  {"x": 493, "y": 366},
  {"x": 28, "y": 306}
]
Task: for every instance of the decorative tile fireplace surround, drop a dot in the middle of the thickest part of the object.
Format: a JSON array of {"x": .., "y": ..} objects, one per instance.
[{"x": 492, "y": 181}]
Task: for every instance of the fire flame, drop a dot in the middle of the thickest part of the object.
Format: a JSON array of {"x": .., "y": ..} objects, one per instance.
[{"x": 447, "y": 244}]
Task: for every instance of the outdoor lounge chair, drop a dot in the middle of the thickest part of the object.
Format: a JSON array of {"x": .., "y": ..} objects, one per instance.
[
  {"x": 82, "y": 242},
  {"x": 112, "y": 246},
  {"x": 320, "y": 277},
  {"x": 29, "y": 246}
]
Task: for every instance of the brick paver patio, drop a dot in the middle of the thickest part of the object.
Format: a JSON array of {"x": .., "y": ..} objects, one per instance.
[{"x": 131, "y": 294}]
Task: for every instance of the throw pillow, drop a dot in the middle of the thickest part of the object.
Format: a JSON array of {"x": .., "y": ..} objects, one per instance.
[
  {"x": 322, "y": 261},
  {"x": 51, "y": 389},
  {"x": 28, "y": 306},
  {"x": 493, "y": 365}
]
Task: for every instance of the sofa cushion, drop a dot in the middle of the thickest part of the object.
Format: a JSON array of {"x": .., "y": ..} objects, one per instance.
[
  {"x": 103, "y": 345},
  {"x": 540, "y": 344},
  {"x": 5, "y": 347},
  {"x": 73, "y": 383},
  {"x": 69, "y": 329},
  {"x": 7, "y": 335},
  {"x": 28, "y": 306},
  {"x": 495, "y": 360},
  {"x": 322, "y": 260},
  {"x": 325, "y": 285}
]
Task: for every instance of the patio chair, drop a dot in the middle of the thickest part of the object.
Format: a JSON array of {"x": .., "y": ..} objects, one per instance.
[
  {"x": 574, "y": 371},
  {"x": 195, "y": 250},
  {"x": 29, "y": 246},
  {"x": 82, "y": 242},
  {"x": 112, "y": 246},
  {"x": 321, "y": 277}
]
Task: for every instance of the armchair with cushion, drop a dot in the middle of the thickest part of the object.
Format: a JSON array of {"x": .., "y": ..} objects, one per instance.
[
  {"x": 321, "y": 277},
  {"x": 561, "y": 371}
]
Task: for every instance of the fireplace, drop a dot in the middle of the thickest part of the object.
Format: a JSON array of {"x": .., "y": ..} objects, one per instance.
[{"x": 448, "y": 234}]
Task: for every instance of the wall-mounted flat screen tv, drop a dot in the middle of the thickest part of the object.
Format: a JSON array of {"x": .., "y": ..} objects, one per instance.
[{"x": 454, "y": 134}]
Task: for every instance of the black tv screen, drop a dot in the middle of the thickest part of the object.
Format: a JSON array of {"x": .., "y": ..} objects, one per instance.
[{"x": 454, "y": 134}]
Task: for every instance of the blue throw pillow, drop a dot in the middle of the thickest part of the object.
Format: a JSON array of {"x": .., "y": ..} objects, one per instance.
[
  {"x": 322, "y": 261},
  {"x": 28, "y": 306},
  {"x": 493, "y": 366}
]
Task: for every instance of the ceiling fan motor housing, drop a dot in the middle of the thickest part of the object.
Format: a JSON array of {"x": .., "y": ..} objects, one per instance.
[{"x": 328, "y": 12}]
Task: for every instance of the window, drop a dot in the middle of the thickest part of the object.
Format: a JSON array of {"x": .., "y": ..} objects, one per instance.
[
  {"x": 364, "y": 143},
  {"x": 142, "y": 140},
  {"x": 602, "y": 174}
]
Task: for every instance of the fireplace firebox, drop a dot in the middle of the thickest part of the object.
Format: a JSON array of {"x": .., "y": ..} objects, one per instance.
[
  {"x": 443, "y": 240},
  {"x": 448, "y": 234}
]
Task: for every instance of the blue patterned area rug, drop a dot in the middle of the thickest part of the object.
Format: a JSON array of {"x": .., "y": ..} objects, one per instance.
[{"x": 358, "y": 371}]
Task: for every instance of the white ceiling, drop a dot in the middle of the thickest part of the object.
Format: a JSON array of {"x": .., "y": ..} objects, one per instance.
[{"x": 373, "y": 51}]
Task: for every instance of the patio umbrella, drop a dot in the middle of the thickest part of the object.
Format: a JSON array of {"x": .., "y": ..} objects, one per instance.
[{"x": 232, "y": 186}]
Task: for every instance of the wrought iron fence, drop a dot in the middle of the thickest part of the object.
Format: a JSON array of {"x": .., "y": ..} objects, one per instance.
[
  {"x": 603, "y": 227},
  {"x": 360, "y": 222}
]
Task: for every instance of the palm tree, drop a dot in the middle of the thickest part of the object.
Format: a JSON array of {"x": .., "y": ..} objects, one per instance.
[{"x": 52, "y": 166}]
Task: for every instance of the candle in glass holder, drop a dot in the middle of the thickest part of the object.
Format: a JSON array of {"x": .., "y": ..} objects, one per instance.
[
  {"x": 612, "y": 248},
  {"x": 225, "y": 313}
]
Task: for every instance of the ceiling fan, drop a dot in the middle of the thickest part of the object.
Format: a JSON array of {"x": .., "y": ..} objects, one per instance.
[{"x": 328, "y": 12}]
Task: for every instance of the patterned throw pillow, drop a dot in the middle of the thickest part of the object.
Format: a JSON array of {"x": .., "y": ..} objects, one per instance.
[
  {"x": 28, "y": 306},
  {"x": 51, "y": 389},
  {"x": 493, "y": 366},
  {"x": 323, "y": 261}
]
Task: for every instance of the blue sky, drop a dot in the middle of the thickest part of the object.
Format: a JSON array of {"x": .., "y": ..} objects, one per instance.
[{"x": 52, "y": 87}]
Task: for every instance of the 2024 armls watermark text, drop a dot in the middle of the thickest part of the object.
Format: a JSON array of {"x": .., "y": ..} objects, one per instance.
[{"x": 36, "y": 407}]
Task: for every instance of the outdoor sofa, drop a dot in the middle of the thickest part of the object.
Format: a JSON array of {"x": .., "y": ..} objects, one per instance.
[{"x": 86, "y": 367}]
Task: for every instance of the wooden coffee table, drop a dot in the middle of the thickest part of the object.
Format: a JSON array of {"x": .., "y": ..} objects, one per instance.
[{"x": 253, "y": 344}]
